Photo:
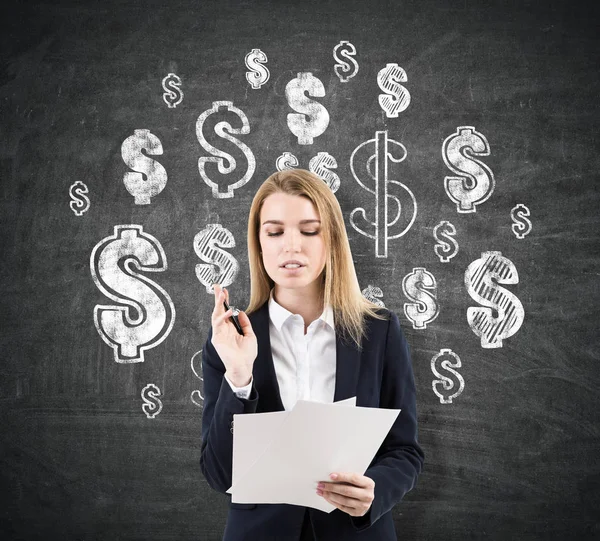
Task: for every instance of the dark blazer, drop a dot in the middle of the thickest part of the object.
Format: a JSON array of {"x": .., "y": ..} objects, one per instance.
[{"x": 380, "y": 376}]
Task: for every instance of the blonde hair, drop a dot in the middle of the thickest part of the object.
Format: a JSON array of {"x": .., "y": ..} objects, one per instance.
[{"x": 339, "y": 285}]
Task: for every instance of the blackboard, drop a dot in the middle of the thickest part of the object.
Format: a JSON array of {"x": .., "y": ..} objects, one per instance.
[{"x": 507, "y": 90}]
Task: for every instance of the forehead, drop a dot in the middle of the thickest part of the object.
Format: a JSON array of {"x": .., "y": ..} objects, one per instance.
[{"x": 284, "y": 208}]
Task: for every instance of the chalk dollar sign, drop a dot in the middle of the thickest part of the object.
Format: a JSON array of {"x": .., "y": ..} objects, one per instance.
[
  {"x": 504, "y": 315},
  {"x": 151, "y": 177},
  {"x": 145, "y": 314},
  {"x": 196, "y": 395},
  {"x": 80, "y": 202},
  {"x": 223, "y": 129},
  {"x": 286, "y": 161},
  {"x": 372, "y": 159},
  {"x": 321, "y": 165},
  {"x": 421, "y": 288},
  {"x": 450, "y": 383},
  {"x": 172, "y": 93},
  {"x": 521, "y": 225},
  {"x": 207, "y": 245},
  {"x": 373, "y": 294},
  {"x": 345, "y": 70},
  {"x": 259, "y": 74},
  {"x": 476, "y": 181},
  {"x": 396, "y": 98},
  {"x": 445, "y": 249},
  {"x": 314, "y": 118},
  {"x": 152, "y": 405}
]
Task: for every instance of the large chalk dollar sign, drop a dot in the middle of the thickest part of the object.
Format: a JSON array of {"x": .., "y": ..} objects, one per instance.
[
  {"x": 421, "y": 288},
  {"x": 345, "y": 70},
  {"x": 207, "y": 245},
  {"x": 314, "y": 118},
  {"x": 223, "y": 129},
  {"x": 145, "y": 314},
  {"x": 372, "y": 160},
  {"x": 259, "y": 74},
  {"x": 505, "y": 314},
  {"x": 396, "y": 98},
  {"x": 476, "y": 181},
  {"x": 151, "y": 176}
]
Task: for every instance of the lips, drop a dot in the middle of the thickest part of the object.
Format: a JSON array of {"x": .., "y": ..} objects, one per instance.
[
  {"x": 292, "y": 270},
  {"x": 292, "y": 262}
]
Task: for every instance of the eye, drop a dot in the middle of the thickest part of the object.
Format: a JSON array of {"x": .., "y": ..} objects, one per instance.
[{"x": 307, "y": 233}]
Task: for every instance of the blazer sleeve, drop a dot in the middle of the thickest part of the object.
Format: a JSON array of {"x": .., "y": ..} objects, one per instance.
[
  {"x": 220, "y": 404},
  {"x": 399, "y": 460}
]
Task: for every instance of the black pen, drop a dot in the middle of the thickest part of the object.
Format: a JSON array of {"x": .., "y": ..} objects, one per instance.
[{"x": 234, "y": 319}]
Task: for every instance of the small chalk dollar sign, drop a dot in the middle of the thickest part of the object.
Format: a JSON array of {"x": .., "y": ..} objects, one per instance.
[
  {"x": 521, "y": 225},
  {"x": 152, "y": 405},
  {"x": 258, "y": 74},
  {"x": 173, "y": 94},
  {"x": 79, "y": 200}
]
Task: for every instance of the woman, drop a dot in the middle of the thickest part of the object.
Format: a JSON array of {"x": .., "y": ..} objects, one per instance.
[{"x": 308, "y": 334}]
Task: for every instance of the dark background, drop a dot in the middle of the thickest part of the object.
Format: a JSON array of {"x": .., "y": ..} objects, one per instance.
[{"x": 515, "y": 456}]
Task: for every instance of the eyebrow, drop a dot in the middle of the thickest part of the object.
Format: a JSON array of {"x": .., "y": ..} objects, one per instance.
[{"x": 278, "y": 222}]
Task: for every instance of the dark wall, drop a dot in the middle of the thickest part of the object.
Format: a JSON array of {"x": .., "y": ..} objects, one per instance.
[{"x": 504, "y": 334}]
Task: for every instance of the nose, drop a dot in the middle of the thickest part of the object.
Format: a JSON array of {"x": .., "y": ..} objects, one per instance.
[{"x": 293, "y": 242}]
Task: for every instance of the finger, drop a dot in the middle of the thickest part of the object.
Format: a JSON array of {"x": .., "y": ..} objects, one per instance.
[
  {"x": 339, "y": 502},
  {"x": 220, "y": 321},
  {"x": 219, "y": 298},
  {"x": 353, "y": 478},
  {"x": 225, "y": 316},
  {"x": 216, "y": 291},
  {"x": 245, "y": 324},
  {"x": 347, "y": 491},
  {"x": 219, "y": 308}
]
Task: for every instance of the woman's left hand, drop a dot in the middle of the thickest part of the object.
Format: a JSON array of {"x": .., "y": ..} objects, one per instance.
[{"x": 350, "y": 492}]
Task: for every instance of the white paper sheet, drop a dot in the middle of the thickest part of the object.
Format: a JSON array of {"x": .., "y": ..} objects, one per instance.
[
  {"x": 279, "y": 457},
  {"x": 254, "y": 432}
]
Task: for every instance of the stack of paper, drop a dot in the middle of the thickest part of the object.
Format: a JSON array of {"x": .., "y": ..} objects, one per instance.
[{"x": 279, "y": 457}]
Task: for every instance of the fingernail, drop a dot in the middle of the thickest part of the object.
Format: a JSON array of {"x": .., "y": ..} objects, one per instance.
[{"x": 333, "y": 476}]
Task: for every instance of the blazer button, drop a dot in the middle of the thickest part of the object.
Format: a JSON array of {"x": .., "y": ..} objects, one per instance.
[{"x": 231, "y": 429}]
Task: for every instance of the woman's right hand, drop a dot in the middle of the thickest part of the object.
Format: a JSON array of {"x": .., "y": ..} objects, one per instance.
[{"x": 237, "y": 352}]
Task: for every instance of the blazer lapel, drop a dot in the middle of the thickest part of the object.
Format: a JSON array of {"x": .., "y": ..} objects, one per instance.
[
  {"x": 264, "y": 369},
  {"x": 347, "y": 365}
]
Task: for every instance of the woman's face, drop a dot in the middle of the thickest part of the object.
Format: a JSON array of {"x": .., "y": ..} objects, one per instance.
[{"x": 290, "y": 228}]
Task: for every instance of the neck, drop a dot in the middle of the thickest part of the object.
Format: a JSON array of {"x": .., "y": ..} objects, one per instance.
[{"x": 307, "y": 302}]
